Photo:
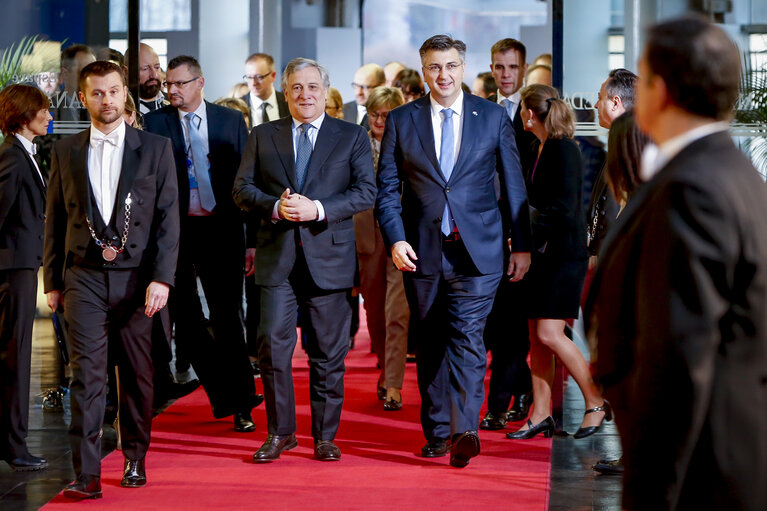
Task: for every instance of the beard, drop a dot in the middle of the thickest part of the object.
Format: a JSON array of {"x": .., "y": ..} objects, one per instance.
[
  {"x": 108, "y": 117},
  {"x": 149, "y": 89}
]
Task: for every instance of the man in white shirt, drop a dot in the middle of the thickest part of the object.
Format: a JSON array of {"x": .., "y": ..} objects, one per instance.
[
  {"x": 264, "y": 101},
  {"x": 677, "y": 308},
  {"x": 111, "y": 244},
  {"x": 367, "y": 78}
]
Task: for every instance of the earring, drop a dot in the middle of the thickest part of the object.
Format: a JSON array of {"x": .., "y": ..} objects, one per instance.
[{"x": 529, "y": 123}]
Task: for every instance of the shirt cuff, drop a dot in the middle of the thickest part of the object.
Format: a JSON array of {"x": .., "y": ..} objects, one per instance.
[
  {"x": 320, "y": 211},
  {"x": 275, "y": 214}
]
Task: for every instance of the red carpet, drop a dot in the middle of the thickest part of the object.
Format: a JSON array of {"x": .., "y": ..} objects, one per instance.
[{"x": 197, "y": 462}]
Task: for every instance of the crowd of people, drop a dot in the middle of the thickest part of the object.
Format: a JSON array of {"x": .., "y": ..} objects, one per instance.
[{"x": 457, "y": 213}]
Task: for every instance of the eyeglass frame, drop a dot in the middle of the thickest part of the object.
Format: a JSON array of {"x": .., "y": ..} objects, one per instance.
[
  {"x": 168, "y": 85},
  {"x": 256, "y": 78}
]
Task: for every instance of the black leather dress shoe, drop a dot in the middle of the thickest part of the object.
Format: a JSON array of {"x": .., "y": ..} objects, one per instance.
[
  {"x": 465, "y": 447},
  {"x": 134, "y": 474},
  {"x": 520, "y": 409},
  {"x": 546, "y": 426},
  {"x": 609, "y": 467},
  {"x": 257, "y": 399},
  {"x": 243, "y": 423},
  {"x": 326, "y": 450},
  {"x": 493, "y": 422},
  {"x": 27, "y": 463},
  {"x": 273, "y": 446},
  {"x": 84, "y": 487},
  {"x": 590, "y": 430},
  {"x": 435, "y": 448}
]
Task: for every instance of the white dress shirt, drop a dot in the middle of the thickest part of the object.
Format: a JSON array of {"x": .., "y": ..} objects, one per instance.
[
  {"x": 361, "y": 112},
  {"x": 31, "y": 149},
  {"x": 436, "y": 123},
  {"x": 105, "y": 156},
  {"x": 256, "y": 111},
  {"x": 515, "y": 99},
  {"x": 312, "y": 134},
  {"x": 654, "y": 158},
  {"x": 195, "y": 208}
]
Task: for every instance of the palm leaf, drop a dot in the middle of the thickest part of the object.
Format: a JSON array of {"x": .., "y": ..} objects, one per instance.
[{"x": 10, "y": 63}]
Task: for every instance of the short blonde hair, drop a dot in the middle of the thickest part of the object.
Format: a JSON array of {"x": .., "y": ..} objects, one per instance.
[{"x": 384, "y": 96}]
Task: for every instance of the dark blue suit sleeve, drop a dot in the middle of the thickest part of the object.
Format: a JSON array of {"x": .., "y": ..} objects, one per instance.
[
  {"x": 388, "y": 203},
  {"x": 513, "y": 191}
]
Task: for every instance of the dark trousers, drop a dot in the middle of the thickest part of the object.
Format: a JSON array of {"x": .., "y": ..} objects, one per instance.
[
  {"x": 253, "y": 315},
  {"x": 18, "y": 293},
  {"x": 507, "y": 338},
  {"x": 449, "y": 312},
  {"x": 214, "y": 251},
  {"x": 97, "y": 302},
  {"x": 326, "y": 329}
]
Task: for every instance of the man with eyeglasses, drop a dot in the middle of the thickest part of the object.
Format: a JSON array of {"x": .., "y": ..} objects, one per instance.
[
  {"x": 439, "y": 214},
  {"x": 264, "y": 101},
  {"x": 208, "y": 141},
  {"x": 367, "y": 78},
  {"x": 150, "y": 80}
]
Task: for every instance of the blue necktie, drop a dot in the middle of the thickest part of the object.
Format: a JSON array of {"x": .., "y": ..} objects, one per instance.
[
  {"x": 200, "y": 163},
  {"x": 303, "y": 154},
  {"x": 446, "y": 163},
  {"x": 507, "y": 104}
]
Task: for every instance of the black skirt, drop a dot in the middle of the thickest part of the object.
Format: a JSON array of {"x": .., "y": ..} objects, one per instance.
[{"x": 553, "y": 287}]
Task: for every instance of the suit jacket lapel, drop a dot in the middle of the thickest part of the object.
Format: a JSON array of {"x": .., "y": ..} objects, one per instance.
[
  {"x": 130, "y": 165},
  {"x": 36, "y": 176},
  {"x": 176, "y": 133},
  {"x": 283, "y": 141},
  {"x": 214, "y": 122},
  {"x": 327, "y": 139},
  {"x": 421, "y": 116},
  {"x": 78, "y": 167},
  {"x": 471, "y": 127}
]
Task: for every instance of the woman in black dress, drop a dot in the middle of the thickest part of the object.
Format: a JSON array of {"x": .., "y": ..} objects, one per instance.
[{"x": 559, "y": 259}]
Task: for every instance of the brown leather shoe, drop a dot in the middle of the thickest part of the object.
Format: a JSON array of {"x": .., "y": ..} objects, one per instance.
[
  {"x": 435, "y": 448},
  {"x": 273, "y": 447},
  {"x": 465, "y": 446},
  {"x": 134, "y": 474},
  {"x": 84, "y": 487},
  {"x": 326, "y": 450}
]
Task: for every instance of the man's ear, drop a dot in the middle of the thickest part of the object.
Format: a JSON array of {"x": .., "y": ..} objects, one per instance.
[{"x": 81, "y": 96}]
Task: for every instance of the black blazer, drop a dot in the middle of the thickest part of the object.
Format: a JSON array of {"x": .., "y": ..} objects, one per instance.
[
  {"x": 678, "y": 314},
  {"x": 526, "y": 141},
  {"x": 603, "y": 210},
  {"x": 22, "y": 208},
  {"x": 282, "y": 105},
  {"x": 408, "y": 169},
  {"x": 556, "y": 208},
  {"x": 227, "y": 136},
  {"x": 340, "y": 176},
  {"x": 147, "y": 174},
  {"x": 350, "y": 115}
]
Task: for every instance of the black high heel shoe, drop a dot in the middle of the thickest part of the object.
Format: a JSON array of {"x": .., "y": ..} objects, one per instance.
[
  {"x": 590, "y": 430},
  {"x": 546, "y": 426}
]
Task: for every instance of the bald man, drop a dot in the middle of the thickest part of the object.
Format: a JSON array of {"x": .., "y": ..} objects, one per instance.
[
  {"x": 150, "y": 80},
  {"x": 367, "y": 78}
]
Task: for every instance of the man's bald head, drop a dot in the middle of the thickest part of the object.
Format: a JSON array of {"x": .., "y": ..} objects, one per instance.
[{"x": 366, "y": 79}]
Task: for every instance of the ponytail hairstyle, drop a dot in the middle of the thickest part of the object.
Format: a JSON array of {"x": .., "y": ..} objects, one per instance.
[{"x": 556, "y": 115}]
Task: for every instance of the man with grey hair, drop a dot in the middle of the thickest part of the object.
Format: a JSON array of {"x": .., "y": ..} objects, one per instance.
[{"x": 304, "y": 177}]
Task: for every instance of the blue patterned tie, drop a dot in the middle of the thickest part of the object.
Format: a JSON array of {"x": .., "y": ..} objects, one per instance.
[
  {"x": 507, "y": 104},
  {"x": 446, "y": 163},
  {"x": 303, "y": 154},
  {"x": 200, "y": 162}
]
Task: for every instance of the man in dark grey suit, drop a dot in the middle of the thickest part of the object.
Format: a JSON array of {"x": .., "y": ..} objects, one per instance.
[
  {"x": 111, "y": 244},
  {"x": 305, "y": 176},
  {"x": 367, "y": 78},
  {"x": 678, "y": 307},
  {"x": 208, "y": 141}
]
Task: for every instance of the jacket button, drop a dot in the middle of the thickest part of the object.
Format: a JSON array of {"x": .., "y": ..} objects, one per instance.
[
  {"x": 437, "y": 220},
  {"x": 115, "y": 238},
  {"x": 447, "y": 190},
  {"x": 132, "y": 245},
  {"x": 40, "y": 237},
  {"x": 77, "y": 226},
  {"x": 137, "y": 224}
]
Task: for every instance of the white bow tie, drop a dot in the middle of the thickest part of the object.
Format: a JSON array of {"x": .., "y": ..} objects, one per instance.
[{"x": 99, "y": 138}]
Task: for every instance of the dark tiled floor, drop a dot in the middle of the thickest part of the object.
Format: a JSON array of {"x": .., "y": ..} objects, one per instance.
[{"x": 574, "y": 486}]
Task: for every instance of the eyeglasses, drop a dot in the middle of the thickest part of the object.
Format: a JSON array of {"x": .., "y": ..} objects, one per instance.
[
  {"x": 168, "y": 85},
  {"x": 378, "y": 115},
  {"x": 449, "y": 67},
  {"x": 255, "y": 78},
  {"x": 363, "y": 87}
]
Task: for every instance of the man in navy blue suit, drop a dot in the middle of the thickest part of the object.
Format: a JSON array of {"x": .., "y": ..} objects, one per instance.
[
  {"x": 208, "y": 142},
  {"x": 438, "y": 210}
]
